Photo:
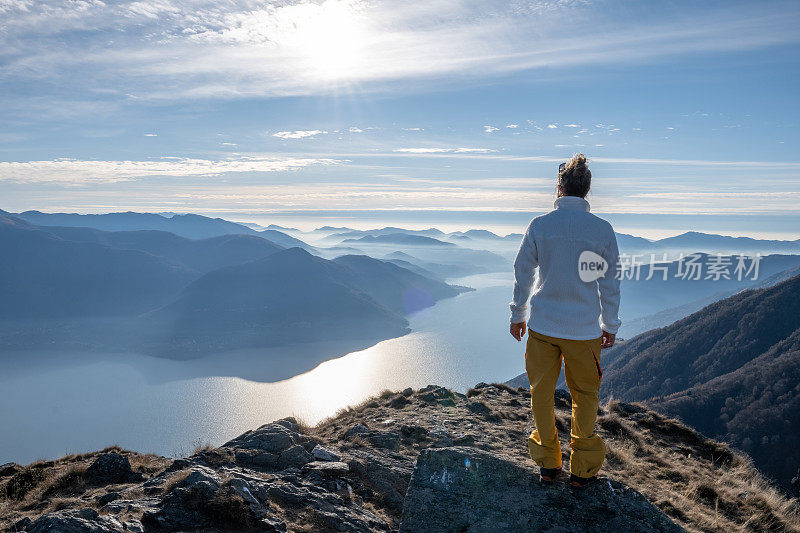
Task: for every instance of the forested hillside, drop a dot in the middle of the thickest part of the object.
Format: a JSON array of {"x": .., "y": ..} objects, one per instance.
[{"x": 732, "y": 370}]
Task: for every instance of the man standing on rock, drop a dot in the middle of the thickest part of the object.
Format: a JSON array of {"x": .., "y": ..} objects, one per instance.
[{"x": 574, "y": 313}]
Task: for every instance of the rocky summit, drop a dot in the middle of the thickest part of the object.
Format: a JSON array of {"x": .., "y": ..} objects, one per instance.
[
  {"x": 467, "y": 489},
  {"x": 416, "y": 460}
]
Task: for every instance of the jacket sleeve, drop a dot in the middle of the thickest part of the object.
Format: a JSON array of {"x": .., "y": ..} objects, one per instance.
[
  {"x": 524, "y": 269},
  {"x": 608, "y": 287}
]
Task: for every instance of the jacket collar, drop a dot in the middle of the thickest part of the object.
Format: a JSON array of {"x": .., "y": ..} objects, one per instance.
[{"x": 571, "y": 202}]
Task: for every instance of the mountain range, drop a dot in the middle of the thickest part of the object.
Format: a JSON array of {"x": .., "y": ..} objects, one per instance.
[
  {"x": 288, "y": 297},
  {"x": 158, "y": 292},
  {"x": 397, "y": 238},
  {"x": 45, "y": 276},
  {"x": 189, "y": 225},
  {"x": 687, "y": 242},
  {"x": 674, "y": 284},
  {"x": 732, "y": 370}
]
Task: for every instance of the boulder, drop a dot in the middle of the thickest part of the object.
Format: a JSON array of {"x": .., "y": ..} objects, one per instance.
[
  {"x": 467, "y": 489},
  {"x": 295, "y": 456},
  {"x": 9, "y": 469},
  {"x": 356, "y": 429},
  {"x": 387, "y": 474},
  {"x": 244, "y": 490},
  {"x": 110, "y": 468},
  {"x": 21, "y": 524},
  {"x": 328, "y": 468},
  {"x": 75, "y": 521},
  {"x": 179, "y": 464},
  {"x": 441, "y": 438},
  {"x": 388, "y": 440},
  {"x": 134, "y": 526},
  {"x": 436, "y": 394},
  {"x": 325, "y": 454},
  {"x": 200, "y": 474},
  {"x": 273, "y": 438}
]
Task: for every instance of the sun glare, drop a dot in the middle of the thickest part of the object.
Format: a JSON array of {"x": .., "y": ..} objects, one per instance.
[{"x": 330, "y": 39}]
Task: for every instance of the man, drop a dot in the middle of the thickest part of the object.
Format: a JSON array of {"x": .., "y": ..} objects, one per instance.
[{"x": 574, "y": 311}]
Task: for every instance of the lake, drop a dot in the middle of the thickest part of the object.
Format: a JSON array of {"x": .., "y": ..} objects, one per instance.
[{"x": 54, "y": 404}]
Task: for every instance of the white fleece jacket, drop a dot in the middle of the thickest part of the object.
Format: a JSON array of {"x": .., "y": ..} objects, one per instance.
[{"x": 562, "y": 305}]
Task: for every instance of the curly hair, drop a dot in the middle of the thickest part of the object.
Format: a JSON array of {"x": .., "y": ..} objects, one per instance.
[{"x": 575, "y": 178}]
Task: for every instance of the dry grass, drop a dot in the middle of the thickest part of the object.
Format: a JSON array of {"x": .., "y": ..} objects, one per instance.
[
  {"x": 174, "y": 480},
  {"x": 47, "y": 486}
]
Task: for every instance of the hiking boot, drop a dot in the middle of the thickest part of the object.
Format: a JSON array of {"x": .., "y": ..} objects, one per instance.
[
  {"x": 548, "y": 475},
  {"x": 582, "y": 482}
]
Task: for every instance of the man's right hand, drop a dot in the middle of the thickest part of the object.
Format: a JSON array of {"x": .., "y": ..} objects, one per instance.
[
  {"x": 518, "y": 330},
  {"x": 607, "y": 340}
]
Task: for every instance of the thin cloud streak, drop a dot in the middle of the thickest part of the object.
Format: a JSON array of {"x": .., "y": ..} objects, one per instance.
[
  {"x": 489, "y": 154},
  {"x": 80, "y": 172},
  {"x": 312, "y": 196}
]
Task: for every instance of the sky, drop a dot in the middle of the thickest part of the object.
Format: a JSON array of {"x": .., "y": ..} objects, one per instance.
[{"x": 447, "y": 113}]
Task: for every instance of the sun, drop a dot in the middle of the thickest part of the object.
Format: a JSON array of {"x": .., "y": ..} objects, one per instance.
[{"x": 331, "y": 39}]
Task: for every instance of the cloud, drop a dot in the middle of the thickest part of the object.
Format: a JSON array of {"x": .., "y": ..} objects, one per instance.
[
  {"x": 552, "y": 126},
  {"x": 413, "y": 129},
  {"x": 512, "y": 125},
  {"x": 572, "y": 125},
  {"x": 15, "y": 5},
  {"x": 353, "y": 129},
  {"x": 300, "y": 134},
  {"x": 444, "y": 150},
  {"x": 491, "y": 154},
  {"x": 489, "y": 129},
  {"x": 151, "y": 134},
  {"x": 164, "y": 49},
  {"x": 80, "y": 172}
]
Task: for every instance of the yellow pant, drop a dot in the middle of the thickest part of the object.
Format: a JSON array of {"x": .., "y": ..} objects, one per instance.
[{"x": 543, "y": 355}]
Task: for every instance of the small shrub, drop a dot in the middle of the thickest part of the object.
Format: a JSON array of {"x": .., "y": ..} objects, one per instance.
[
  {"x": 505, "y": 387},
  {"x": 70, "y": 482},
  {"x": 616, "y": 427},
  {"x": 23, "y": 482},
  {"x": 670, "y": 510}
]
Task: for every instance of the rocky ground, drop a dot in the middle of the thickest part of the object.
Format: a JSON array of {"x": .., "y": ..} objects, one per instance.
[{"x": 424, "y": 460}]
